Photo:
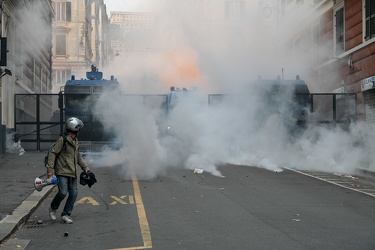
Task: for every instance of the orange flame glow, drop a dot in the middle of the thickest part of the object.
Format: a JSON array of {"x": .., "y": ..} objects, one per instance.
[{"x": 180, "y": 68}]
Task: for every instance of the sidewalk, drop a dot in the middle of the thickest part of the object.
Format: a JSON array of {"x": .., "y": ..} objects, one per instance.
[{"x": 18, "y": 198}]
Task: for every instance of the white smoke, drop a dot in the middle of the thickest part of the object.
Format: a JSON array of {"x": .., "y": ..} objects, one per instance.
[
  {"x": 32, "y": 22},
  {"x": 227, "y": 57},
  {"x": 12, "y": 146}
]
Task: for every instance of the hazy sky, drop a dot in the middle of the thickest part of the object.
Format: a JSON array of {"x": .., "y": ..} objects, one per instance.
[{"x": 123, "y": 5}]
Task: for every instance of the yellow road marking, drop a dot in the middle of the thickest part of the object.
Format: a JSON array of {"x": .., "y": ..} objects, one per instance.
[
  {"x": 142, "y": 218},
  {"x": 120, "y": 200},
  {"x": 131, "y": 199},
  {"x": 89, "y": 200},
  {"x": 145, "y": 228}
]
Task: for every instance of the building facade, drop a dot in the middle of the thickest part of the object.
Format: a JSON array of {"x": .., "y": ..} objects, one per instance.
[
  {"x": 45, "y": 42},
  {"x": 341, "y": 45},
  {"x": 129, "y": 34},
  {"x": 26, "y": 25},
  {"x": 79, "y": 38},
  {"x": 334, "y": 40}
]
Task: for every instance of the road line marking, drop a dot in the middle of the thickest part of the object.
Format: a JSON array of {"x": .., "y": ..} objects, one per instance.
[
  {"x": 335, "y": 180},
  {"x": 343, "y": 182},
  {"x": 145, "y": 228},
  {"x": 119, "y": 200},
  {"x": 334, "y": 183},
  {"x": 131, "y": 199},
  {"x": 367, "y": 190},
  {"x": 89, "y": 200},
  {"x": 142, "y": 218}
]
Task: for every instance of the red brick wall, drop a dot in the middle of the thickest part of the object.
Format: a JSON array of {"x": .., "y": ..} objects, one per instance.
[
  {"x": 363, "y": 59},
  {"x": 353, "y": 23}
]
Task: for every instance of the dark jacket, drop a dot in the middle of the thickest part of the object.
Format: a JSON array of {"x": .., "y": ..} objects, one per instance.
[
  {"x": 68, "y": 160},
  {"x": 87, "y": 178}
]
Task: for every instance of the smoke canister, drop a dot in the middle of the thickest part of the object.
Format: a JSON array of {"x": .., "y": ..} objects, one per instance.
[{"x": 198, "y": 171}]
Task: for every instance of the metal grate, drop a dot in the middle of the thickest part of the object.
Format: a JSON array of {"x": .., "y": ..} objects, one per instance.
[{"x": 36, "y": 224}]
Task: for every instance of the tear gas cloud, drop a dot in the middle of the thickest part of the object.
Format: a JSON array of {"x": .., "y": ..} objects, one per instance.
[
  {"x": 30, "y": 21},
  {"x": 214, "y": 56}
]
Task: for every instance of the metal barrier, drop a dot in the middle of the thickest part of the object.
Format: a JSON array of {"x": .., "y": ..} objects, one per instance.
[
  {"x": 333, "y": 108},
  {"x": 324, "y": 108},
  {"x": 40, "y": 118}
]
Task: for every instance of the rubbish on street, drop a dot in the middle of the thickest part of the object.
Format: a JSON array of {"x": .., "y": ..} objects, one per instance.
[
  {"x": 198, "y": 171},
  {"x": 351, "y": 177},
  {"x": 347, "y": 176}
]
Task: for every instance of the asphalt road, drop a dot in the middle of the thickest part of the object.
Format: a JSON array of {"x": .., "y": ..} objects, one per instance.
[{"x": 250, "y": 208}]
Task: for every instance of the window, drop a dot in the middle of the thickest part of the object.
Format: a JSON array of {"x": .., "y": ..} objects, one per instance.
[
  {"x": 339, "y": 31},
  {"x": 234, "y": 10},
  {"x": 63, "y": 11},
  {"x": 370, "y": 19},
  {"x": 60, "y": 45},
  {"x": 61, "y": 76}
]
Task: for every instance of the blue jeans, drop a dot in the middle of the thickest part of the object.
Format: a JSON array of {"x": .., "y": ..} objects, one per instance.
[{"x": 66, "y": 185}]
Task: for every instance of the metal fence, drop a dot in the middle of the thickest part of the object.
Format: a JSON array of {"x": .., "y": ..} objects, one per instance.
[
  {"x": 333, "y": 109},
  {"x": 329, "y": 109},
  {"x": 39, "y": 119}
]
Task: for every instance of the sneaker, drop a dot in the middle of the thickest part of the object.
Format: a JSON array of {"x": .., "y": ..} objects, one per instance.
[
  {"x": 52, "y": 214},
  {"x": 66, "y": 219}
]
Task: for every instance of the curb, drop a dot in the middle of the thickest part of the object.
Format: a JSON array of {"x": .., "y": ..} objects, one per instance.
[{"x": 22, "y": 213}]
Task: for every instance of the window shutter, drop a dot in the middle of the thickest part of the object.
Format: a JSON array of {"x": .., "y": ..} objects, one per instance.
[
  {"x": 340, "y": 31},
  {"x": 60, "y": 45},
  {"x": 68, "y": 11}
]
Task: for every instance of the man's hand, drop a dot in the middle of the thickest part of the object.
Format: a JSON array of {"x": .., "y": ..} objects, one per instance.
[{"x": 49, "y": 174}]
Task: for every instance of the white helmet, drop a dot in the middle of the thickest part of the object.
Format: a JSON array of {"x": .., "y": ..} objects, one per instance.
[{"x": 74, "y": 124}]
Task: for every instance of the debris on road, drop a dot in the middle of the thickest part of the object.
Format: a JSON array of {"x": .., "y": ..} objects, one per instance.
[
  {"x": 198, "y": 171},
  {"x": 347, "y": 176},
  {"x": 351, "y": 177}
]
